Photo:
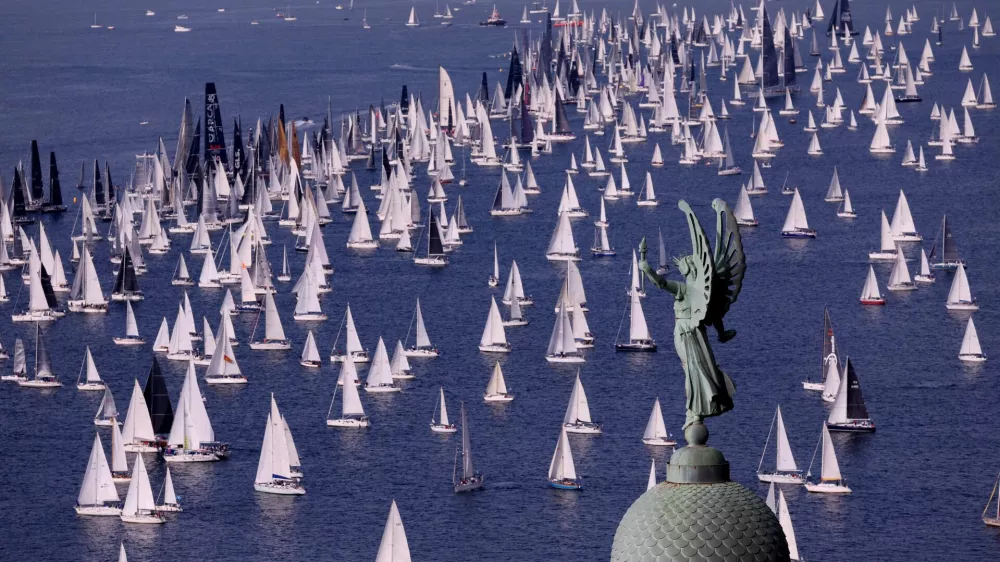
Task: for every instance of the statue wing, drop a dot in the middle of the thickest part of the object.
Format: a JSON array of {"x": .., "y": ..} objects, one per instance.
[
  {"x": 729, "y": 260},
  {"x": 699, "y": 283}
]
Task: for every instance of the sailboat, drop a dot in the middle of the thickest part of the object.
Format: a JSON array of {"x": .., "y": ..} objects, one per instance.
[
  {"x": 469, "y": 479},
  {"x": 360, "y": 237},
  {"x": 274, "y": 471},
  {"x": 602, "y": 246},
  {"x": 562, "y": 247},
  {"x": 92, "y": 379},
  {"x": 107, "y": 412},
  {"x": 785, "y": 520},
  {"x": 353, "y": 347},
  {"x": 224, "y": 369},
  {"x": 412, "y": 20},
  {"x": 352, "y": 413},
  {"x": 639, "y": 337},
  {"x": 785, "y": 471},
  {"x": 743, "y": 212},
  {"x": 514, "y": 289},
  {"x": 563, "y": 347},
  {"x": 274, "y": 332},
  {"x": 119, "y": 457},
  {"x": 651, "y": 482},
  {"x": 126, "y": 284},
  {"x": 441, "y": 425},
  {"x": 137, "y": 432},
  {"x": 42, "y": 299},
  {"x": 423, "y": 346},
  {"x": 971, "y": 352},
  {"x": 393, "y": 547},
  {"x": 380, "y": 373},
  {"x": 830, "y": 481},
  {"x": 44, "y": 377},
  {"x": 140, "y": 505},
  {"x": 494, "y": 279},
  {"x": 656, "y": 431},
  {"x": 310, "y": 353},
  {"x": 796, "y": 225},
  {"x": 899, "y": 279},
  {"x": 887, "y": 247},
  {"x": 131, "y": 336},
  {"x": 435, "y": 256},
  {"x": 494, "y": 338},
  {"x": 307, "y": 307},
  {"x": 86, "y": 295},
  {"x": 902, "y": 227},
  {"x": 849, "y": 411},
  {"x": 192, "y": 438},
  {"x": 285, "y": 276},
  {"x": 98, "y": 496},
  {"x": 846, "y": 210},
  {"x": 828, "y": 353},
  {"x": 960, "y": 295},
  {"x": 364, "y": 20},
  {"x": 496, "y": 389},
  {"x": 577, "y": 418},
  {"x": 993, "y": 521},
  {"x": 950, "y": 259},
  {"x": 925, "y": 275},
  {"x": 562, "y": 470},
  {"x": 870, "y": 293},
  {"x": 169, "y": 504}
]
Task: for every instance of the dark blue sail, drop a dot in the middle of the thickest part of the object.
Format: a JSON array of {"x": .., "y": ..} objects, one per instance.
[{"x": 769, "y": 75}]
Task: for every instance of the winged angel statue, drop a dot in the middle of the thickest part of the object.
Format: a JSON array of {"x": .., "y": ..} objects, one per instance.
[{"x": 713, "y": 282}]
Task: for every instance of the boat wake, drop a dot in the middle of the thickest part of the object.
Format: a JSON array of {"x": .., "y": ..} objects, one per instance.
[{"x": 412, "y": 68}]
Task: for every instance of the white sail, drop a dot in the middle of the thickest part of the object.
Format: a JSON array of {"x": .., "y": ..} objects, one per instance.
[
  {"x": 191, "y": 426},
  {"x": 131, "y": 328},
  {"x": 380, "y": 372},
  {"x": 353, "y": 341},
  {"x": 638, "y": 330},
  {"x": 273, "y": 330},
  {"x": 393, "y": 547},
  {"x": 140, "y": 494},
  {"x": 422, "y": 339},
  {"x": 273, "y": 464},
  {"x": 655, "y": 428},
  {"x": 831, "y": 468},
  {"x": 786, "y": 526},
  {"x": 900, "y": 275},
  {"x": 98, "y": 486},
  {"x": 902, "y": 221},
  {"x": 169, "y": 494},
  {"x": 578, "y": 409},
  {"x": 310, "y": 352},
  {"x": 796, "y": 220},
  {"x": 970, "y": 341},
  {"x": 562, "y": 340},
  {"x": 493, "y": 332},
  {"x": 138, "y": 425},
  {"x": 497, "y": 384},
  {"x": 442, "y": 409},
  {"x": 786, "y": 462},
  {"x": 960, "y": 291},
  {"x": 562, "y": 466}
]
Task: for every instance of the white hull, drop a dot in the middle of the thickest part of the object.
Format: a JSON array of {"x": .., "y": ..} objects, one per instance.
[
  {"x": 382, "y": 389},
  {"x": 310, "y": 364},
  {"x": 521, "y": 322},
  {"x": 564, "y": 358},
  {"x": 498, "y": 398},
  {"x": 907, "y": 237},
  {"x": 902, "y": 287},
  {"x": 357, "y": 356},
  {"x": 140, "y": 448},
  {"x": 370, "y": 245},
  {"x": 972, "y": 357},
  {"x": 129, "y": 341},
  {"x": 581, "y": 428},
  {"x": 421, "y": 352},
  {"x": 90, "y": 386},
  {"x": 104, "y": 423},
  {"x": 279, "y": 489},
  {"x": 310, "y": 317},
  {"x": 98, "y": 510},
  {"x": 32, "y": 383},
  {"x": 660, "y": 442},
  {"x": 446, "y": 429},
  {"x": 563, "y": 257},
  {"x": 226, "y": 380},
  {"x": 190, "y": 456},
  {"x": 826, "y": 488},
  {"x": 271, "y": 345},
  {"x": 495, "y": 348},
  {"x": 182, "y": 356},
  {"x": 432, "y": 262},
  {"x": 80, "y": 306},
  {"x": 962, "y": 306},
  {"x": 806, "y": 385},
  {"x": 348, "y": 423},
  {"x": 779, "y": 478},
  {"x": 144, "y": 519},
  {"x": 33, "y": 317},
  {"x": 405, "y": 376},
  {"x": 169, "y": 508}
]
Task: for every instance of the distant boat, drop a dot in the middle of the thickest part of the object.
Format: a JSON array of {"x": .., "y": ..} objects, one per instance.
[
  {"x": 310, "y": 353},
  {"x": 137, "y": 431},
  {"x": 192, "y": 438},
  {"x": 150, "y": 13},
  {"x": 743, "y": 212},
  {"x": 639, "y": 338},
  {"x": 524, "y": 16},
  {"x": 925, "y": 275},
  {"x": 95, "y": 25},
  {"x": 422, "y": 346},
  {"x": 379, "y": 378},
  {"x": 514, "y": 289},
  {"x": 412, "y": 21},
  {"x": 223, "y": 368},
  {"x": 796, "y": 225},
  {"x": 830, "y": 481},
  {"x": 364, "y": 20},
  {"x": 494, "y": 279},
  {"x": 170, "y": 504},
  {"x": 887, "y": 246},
  {"x": 274, "y": 332},
  {"x": 393, "y": 547},
  {"x": 960, "y": 295},
  {"x": 970, "y": 351},
  {"x": 577, "y": 418},
  {"x": 131, "y": 336},
  {"x": 562, "y": 470},
  {"x": 181, "y": 29},
  {"x": 107, "y": 412},
  {"x": 98, "y": 496},
  {"x": 274, "y": 470},
  {"x": 846, "y": 210},
  {"x": 828, "y": 353},
  {"x": 870, "y": 293},
  {"x": 496, "y": 389},
  {"x": 849, "y": 411},
  {"x": 468, "y": 479},
  {"x": 902, "y": 227},
  {"x": 353, "y": 348},
  {"x": 949, "y": 259},
  {"x": 785, "y": 471},
  {"x": 435, "y": 256},
  {"x": 494, "y": 338},
  {"x": 439, "y": 419},
  {"x": 288, "y": 15},
  {"x": 352, "y": 414},
  {"x": 182, "y": 277},
  {"x": 44, "y": 377},
  {"x": 563, "y": 347},
  {"x": 140, "y": 505},
  {"x": 494, "y": 20},
  {"x": 89, "y": 378},
  {"x": 651, "y": 483},
  {"x": 656, "y": 430}
]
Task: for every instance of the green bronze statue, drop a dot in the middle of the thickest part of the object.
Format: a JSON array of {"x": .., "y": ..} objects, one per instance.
[{"x": 712, "y": 283}]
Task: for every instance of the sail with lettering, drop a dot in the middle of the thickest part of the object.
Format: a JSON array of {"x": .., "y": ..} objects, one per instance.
[{"x": 215, "y": 139}]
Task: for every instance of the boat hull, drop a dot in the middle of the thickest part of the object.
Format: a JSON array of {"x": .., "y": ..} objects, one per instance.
[
  {"x": 140, "y": 448},
  {"x": 91, "y": 386},
  {"x": 637, "y": 346},
  {"x": 446, "y": 429},
  {"x": 98, "y": 510},
  {"x": 279, "y": 489},
  {"x": 382, "y": 389},
  {"x": 495, "y": 348},
  {"x": 861, "y": 426},
  {"x": 283, "y": 345},
  {"x": 226, "y": 380},
  {"x": 807, "y": 385},
  {"x": 349, "y": 423},
  {"x": 182, "y": 456},
  {"x": 873, "y": 302},
  {"x": 962, "y": 306},
  {"x": 565, "y": 485},
  {"x": 780, "y": 478},
  {"x": 498, "y": 398},
  {"x": 129, "y": 341},
  {"x": 565, "y": 358},
  {"x": 827, "y": 488},
  {"x": 310, "y": 364},
  {"x": 427, "y": 352},
  {"x": 32, "y": 383},
  {"x": 169, "y": 508},
  {"x": 659, "y": 442},
  {"x": 582, "y": 428},
  {"x": 144, "y": 519},
  {"x": 471, "y": 485},
  {"x": 972, "y": 357},
  {"x": 798, "y": 233}
]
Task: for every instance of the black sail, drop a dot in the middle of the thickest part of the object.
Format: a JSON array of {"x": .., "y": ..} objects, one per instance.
[
  {"x": 55, "y": 190},
  {"x": 111, "y": 186},
  {"x": 434, "y": 246},
  {"x": 20, "y": 210},
  {"x": 37, "y": 186},
  {"x": 50, "y": 294},
  {"x": 769, "y": 73},
  {"x": 193, "y": 159},
  {"x": 98, "y": 184},
  {"x": 158, "y": 400},
  {"x": 856, "y": 408},
  {"x": 125, "y": 281},
  {"x": 562, "y": 122},
  {"x": 215, "y": 137},
  {"x": 789, "y": 55},
  {"x": 515, "y": 77},
  {"x": 239, "y": 153}
]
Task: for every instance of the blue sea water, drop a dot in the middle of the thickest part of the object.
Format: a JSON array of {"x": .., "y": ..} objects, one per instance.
[{"x": 919, "y": 483}]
